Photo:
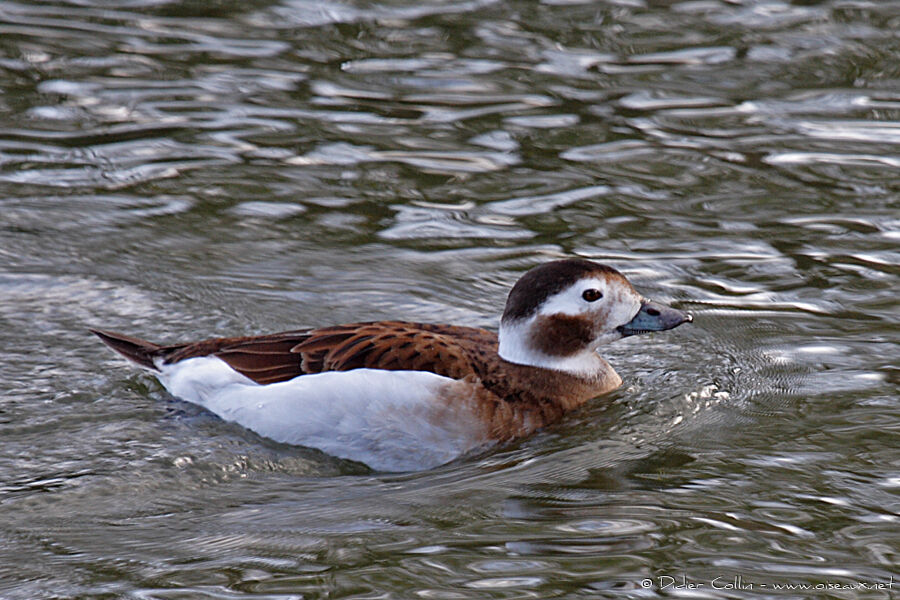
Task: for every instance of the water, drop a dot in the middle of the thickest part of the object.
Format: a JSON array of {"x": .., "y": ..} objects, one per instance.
[{"x": 180, "y": 170}]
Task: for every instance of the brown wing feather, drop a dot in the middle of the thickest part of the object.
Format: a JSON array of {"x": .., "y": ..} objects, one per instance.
[
  {"x": 264, "y": 358},
  {"x": 389, "y": 345},
  {"x": 394, "y": 345}
]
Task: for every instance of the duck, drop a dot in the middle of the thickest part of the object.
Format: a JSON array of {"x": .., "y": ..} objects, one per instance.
[{"x": 403, "y": 396}]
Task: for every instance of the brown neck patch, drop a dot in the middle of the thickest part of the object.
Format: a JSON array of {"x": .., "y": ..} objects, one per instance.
[{"x": 561, "y": 335}]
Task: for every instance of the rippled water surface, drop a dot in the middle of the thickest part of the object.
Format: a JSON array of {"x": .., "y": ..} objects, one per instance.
[{"x": 180, "y": 170}]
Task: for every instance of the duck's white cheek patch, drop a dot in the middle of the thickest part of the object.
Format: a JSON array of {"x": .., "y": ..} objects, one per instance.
[
  {"x": 569, "y": 301},
  {"x": 389, "y": 420},
  {"x": 620, "y": 306}
]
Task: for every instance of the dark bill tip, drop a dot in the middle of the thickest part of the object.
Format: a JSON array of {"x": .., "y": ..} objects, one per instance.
[{"x": 654, "y": 317}]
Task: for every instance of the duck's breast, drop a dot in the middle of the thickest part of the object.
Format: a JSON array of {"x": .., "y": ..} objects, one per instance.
[{"x": 389, "y": 420}]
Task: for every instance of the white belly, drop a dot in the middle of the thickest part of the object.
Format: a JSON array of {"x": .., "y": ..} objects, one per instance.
[{"x": 389, "y": 420}]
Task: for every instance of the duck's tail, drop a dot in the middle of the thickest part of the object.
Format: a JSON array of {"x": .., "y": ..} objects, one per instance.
[{"x": 141, "y": 352}]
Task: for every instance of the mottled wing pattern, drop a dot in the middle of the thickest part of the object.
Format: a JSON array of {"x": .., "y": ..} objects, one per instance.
[
  {"x": 393, "y": 345},
  {"x": 264, "y": 359},
  {"x": 389, "y": 345}
]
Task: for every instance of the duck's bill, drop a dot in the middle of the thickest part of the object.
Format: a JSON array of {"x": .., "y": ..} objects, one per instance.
[{"x": 654, "y": 317}]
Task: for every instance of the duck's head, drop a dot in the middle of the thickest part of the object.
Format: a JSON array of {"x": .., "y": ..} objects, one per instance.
[{"x": 558, "y": 314}]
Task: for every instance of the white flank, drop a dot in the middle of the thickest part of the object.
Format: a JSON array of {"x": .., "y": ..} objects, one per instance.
[{"x": 389, "y": 420}]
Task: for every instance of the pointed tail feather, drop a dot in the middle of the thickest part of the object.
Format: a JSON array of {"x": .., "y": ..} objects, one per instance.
[{"x": 138, "y": 351}]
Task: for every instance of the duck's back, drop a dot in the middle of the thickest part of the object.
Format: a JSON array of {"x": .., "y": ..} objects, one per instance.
[{"x": 447, "y": 350}]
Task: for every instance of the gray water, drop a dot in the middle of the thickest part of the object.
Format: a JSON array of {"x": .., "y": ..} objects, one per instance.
[{"x": 181, "y": 170}]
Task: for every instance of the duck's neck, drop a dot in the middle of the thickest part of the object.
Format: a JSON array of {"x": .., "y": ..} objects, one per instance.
[{"x": 517, "y": 345}]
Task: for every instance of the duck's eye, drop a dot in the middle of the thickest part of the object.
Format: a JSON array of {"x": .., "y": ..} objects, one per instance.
[{"x": 592, "y": 295}]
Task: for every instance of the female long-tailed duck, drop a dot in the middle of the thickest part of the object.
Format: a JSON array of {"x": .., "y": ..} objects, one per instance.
[{"x": 403, "y": 396}]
